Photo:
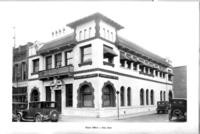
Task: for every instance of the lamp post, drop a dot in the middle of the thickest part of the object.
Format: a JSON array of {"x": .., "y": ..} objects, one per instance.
[{"x": 117, "y": 104}]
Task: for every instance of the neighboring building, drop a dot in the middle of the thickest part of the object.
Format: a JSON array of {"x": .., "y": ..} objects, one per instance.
[
  {"x": 180, "y": 82},
  {"x": 83, "y": 71},
  {"x": 20, "y": 73}
]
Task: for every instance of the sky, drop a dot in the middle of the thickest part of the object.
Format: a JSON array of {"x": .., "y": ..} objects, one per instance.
[
  {"x": 169, "y": 29},
  {"x": 166, "y": 29}
]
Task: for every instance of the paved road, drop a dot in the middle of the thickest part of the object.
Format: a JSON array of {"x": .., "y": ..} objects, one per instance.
[{"x": 143, "y": 118}]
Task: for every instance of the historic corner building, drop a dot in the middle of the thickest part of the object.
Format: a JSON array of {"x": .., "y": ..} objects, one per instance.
[{"x": 93, "y": 70}]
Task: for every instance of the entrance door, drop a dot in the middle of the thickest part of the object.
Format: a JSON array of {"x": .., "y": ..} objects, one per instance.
[{"x": 58, "y": 99}]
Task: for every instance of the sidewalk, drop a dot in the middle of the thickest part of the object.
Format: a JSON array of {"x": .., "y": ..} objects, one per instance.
[{"x": 65, "y": 118}]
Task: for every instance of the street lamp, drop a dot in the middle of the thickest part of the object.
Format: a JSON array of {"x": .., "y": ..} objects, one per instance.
[{"x": 117, "y": 104}]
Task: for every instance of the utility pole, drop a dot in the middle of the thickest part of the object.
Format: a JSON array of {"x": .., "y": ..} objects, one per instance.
[{"x": 14, "y": 37}]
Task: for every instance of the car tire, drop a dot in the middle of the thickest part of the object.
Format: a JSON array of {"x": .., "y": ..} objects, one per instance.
[
  {"x": 170, "y": 117},
  {"x": 19, "y": 118},
  {"x": 38, "y": 118},
  {"x": 54, "y": 116}
]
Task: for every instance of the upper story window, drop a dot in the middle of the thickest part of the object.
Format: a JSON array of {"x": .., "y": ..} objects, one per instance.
[
  {"x": 80, "y": 35},
  {"x": 111, "y": 34},
  {"x": 108, "y": 34},
  {"x": 90, "y": 31},
  {"x": 86, "y": 54},
  {"x": 35, "y": 65},
  {"x": 68, "y": 58},
  {"x": 108, "y": 55},
  {"x": 48, "y": 62},
  {"x": 24, "y": 71},
  {"x": 85, "y": 33},
  {"x": 104, "y": 32},
  {"x": 58, "y": 60}
]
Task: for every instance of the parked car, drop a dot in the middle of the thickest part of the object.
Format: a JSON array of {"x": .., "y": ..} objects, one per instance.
[
  {"x": 178, "y": 109},
  {"x": 39, "y": 111},
  {"x": 16, "y": 107},
  {"x": 162, "y": 106}
]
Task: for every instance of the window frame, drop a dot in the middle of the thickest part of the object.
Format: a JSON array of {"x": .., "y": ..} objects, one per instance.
[
  {"x": 82, "y": 55},
  {"x": 35, "y": 66}
]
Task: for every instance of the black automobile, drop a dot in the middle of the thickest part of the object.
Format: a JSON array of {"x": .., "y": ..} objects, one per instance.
[
  {"x": 178, "y": 109},
  {"x": 39, "y": 111},
  {"x": 16, "y": 107},
  {"x": 162, "y": 107}
]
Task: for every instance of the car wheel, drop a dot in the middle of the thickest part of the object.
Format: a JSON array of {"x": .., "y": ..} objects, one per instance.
[
  {"x": 38, "y": 118},
  {"x": 19, "y": 118},
  {"x": 170, "y": 117},
  {"x": 54, "y": 116}
]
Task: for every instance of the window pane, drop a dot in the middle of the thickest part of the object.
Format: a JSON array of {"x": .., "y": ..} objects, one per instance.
[
  {"x": 107, "y": 99},
  {"x": 87, "y": 100},
  {"x": 87, "y": 50},
  {"x": 87, "y": 58}
]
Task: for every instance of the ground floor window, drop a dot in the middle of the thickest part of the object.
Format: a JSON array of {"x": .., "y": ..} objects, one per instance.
[
  {"x": 69, "y": 95},
  {"x": 129, "y": 96},
  {"x": 19, "y": 94},
  {"x": 86, "y": 95},
  {"x": 160, "y": 95},
  {"x": 48, "y": 94},
  {"x": 147, "y": 97},
  {"x": 170, "y": 95},
  {"x": 122, "y": 96},
  {"x": 152, "y": 97},
  {"x": 35, "y": 95},
  {"x": 164, "y": 95},
  {"x": 108, "y": 95},
  {"x": 141, "y": 96}
]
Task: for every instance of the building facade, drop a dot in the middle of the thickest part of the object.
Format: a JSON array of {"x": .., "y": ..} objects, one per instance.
[
  {"x": 20, "y": 74},
  {"x": 180, "y": 82},
  {"x": 84, "y": 71}
]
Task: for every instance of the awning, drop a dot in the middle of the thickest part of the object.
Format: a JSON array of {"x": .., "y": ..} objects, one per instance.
[
  {"x": 108, "y": 52},
  {"x": 124, "y": 57}
]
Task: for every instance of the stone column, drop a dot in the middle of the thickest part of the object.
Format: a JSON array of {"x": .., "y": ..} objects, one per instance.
[
  {"x": 63, "y": 59},
  {"x": 138, "y": 67},
  {"x": 132, "y": 67},
  {"x": 125, "y": 96},
  {"x": 125, "y": 64},
  {"x": 53, "y": 61},
  {"x": 52, "y": 95},
  {"x": 144, "y": 68}
]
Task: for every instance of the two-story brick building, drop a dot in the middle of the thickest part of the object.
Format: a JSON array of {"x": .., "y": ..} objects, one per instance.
[{"x": 83, "y": 71}]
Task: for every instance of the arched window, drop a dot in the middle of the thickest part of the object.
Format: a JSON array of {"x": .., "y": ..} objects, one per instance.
[
  {"x": 85, "y": 34},
  {"x": 122, "y": 96},
  {"x": 170, "y": 95},
  {"x": 152, "y": 97},
  {"x": 147, "y": 97},
  {"x": 90, "y": 29},
  {"x": 80, "y": 35},
  {"x": 129, "y": 96},
  {"x": 160, "y": 95},
  {"x": 164, "y": 95},
  {"x": 141, "y": 96},
  {"x": 35, "y": 95},
  {"x": 108, "y": 95},
  {"x": 85, "y": 95}
]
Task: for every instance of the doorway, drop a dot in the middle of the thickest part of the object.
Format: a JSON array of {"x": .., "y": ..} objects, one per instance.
[{"x": 58, "y": 100}]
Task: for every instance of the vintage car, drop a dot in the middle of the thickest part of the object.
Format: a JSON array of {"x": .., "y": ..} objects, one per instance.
[
  {"x": 39, "y": 111},
  {"x": 162, "y": 106},
  {"x": 178, "y": 109},
  {"x": 16, "y": 107}
]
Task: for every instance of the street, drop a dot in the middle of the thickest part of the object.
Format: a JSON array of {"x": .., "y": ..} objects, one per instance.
[{"x": 142, "y": 118}]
